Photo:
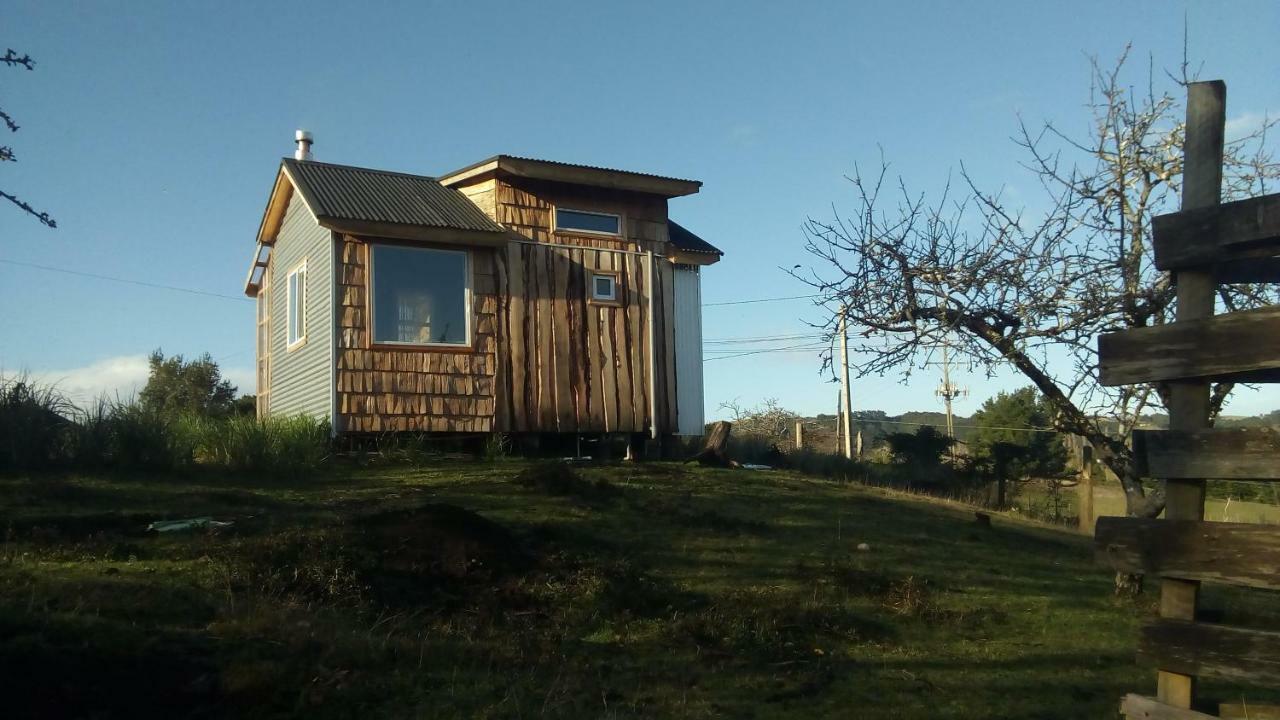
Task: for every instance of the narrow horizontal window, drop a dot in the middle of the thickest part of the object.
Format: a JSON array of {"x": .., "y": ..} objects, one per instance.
[
  {"x": 296, "y": 320},
  {"x": 604, "y": 287},
  {"x": 592, "y": 222},
  {"x": 420, "y": 296}
]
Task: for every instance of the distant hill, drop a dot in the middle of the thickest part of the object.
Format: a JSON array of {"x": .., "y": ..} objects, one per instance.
[{"x": 820, "y": 430}]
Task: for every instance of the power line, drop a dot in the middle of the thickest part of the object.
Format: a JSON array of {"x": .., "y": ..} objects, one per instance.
[
  {"x": 760, "y": 300},
  {"x": 208, "y": 294},
  {"x": 126, "y": 281},
  {"x": 970, "y": 427},
  {"x": 792, "y": 348}
]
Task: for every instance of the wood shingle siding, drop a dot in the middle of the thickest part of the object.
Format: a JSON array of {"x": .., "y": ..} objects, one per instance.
[
  {"x": 300, "y": 378},
  {"x": 419, "y": 389}
]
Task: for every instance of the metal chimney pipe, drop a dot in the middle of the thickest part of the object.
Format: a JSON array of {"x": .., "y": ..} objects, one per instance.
[{"x": 303, "y": 139}]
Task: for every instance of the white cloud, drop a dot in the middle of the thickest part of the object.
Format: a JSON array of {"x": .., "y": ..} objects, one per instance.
[
  {"x": 116, "y": 377},
  {"x": 1244, "y": 125}
]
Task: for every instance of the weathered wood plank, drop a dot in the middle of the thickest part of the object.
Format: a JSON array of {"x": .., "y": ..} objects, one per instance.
[
  {"x": 635, "y": 293},
  {"x": 566, "y": 418},
  {"x": 502, "y": 368},
  {"x": 608, "y": 362},
  {"x": 1240, "y": 346},
  {"x": 1248, "y": 711},
  {"x": 1202, "y": 237},
  {"x": 1203, "y": 649},
  {"x": 1235, "y": 454},
  {"x": 578, "y": 347},
  {"x": 543, "y": 325},
  {"x": 517, "y": 269},
  {"x": 1227, "y": 553},
  {"x": 1137, "y": 707},
  {"x": 624, "y": 358},
  {"x": 595, "y": 354}
]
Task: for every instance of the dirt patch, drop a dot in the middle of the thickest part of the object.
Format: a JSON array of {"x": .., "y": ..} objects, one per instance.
[
  {"x": 442, "y": 540},
  {"x": 560, "y": 479},
  {"x": 63, "y": 528}
]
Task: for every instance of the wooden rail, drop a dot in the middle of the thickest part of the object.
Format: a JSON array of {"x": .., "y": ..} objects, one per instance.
[
  {"x": 1227, "y": 553},
  {"x": 1204, "y": 649},
  {"x": 1242, "y": 454},
  {"x": 1240, "y": 346},
  {"x": 1211, "y": 235}
]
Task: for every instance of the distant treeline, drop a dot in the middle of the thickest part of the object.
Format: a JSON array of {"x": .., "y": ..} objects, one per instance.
[{"x": 876, "y": 424}]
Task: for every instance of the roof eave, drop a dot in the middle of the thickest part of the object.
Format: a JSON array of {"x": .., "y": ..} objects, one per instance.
[
  {"x": 421, "y": 233},
  {"x": 574, "y": 175},
  {"x": 694, "y": 257}
]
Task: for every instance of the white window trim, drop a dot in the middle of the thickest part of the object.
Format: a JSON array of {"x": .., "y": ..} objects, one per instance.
[
  {"x": 373, "y": 279},
  {"x": 613, "y": 286},
  {"x": 555, "y": 222},
  {"x": 289, "y": 301}
]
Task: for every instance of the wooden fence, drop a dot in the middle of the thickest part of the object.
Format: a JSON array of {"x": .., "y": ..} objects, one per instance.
[{"x": 1205, "y": 244}]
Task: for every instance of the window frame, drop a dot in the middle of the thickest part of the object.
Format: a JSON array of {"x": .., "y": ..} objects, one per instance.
[
  {"x": 468, "y": 300},
  {"x": 614, "y": 279},
  {"x": 556, "y": 228},
  {"x": 291, "y": 301}
]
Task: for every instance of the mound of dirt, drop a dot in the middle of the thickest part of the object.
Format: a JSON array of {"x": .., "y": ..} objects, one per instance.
[
  {"x": 441, "y": 540},
  {"x": 560, "y": 479}
]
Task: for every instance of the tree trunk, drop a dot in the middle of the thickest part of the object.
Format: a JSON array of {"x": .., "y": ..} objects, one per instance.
[{"x": 714, "y": 451}]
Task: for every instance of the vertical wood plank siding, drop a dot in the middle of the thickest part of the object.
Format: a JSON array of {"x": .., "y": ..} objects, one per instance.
[
  {"x": 300, "y": 378},
  {"x": 381, "y": 390},
  {"x": 567, "y": 363}
]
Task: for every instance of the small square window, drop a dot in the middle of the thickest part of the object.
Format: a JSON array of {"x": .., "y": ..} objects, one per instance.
[{"x": 604, "y": 287}]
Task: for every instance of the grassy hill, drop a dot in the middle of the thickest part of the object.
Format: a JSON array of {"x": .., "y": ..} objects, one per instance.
[{"x": 507, "y": 589}]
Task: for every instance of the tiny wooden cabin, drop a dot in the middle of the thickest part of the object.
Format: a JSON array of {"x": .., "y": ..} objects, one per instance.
[{"x": 513, "y": 295}]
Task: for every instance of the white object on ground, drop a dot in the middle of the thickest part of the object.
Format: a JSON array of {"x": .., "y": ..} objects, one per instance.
[
  {"x": 750, "y": 466},
  {"x": 864, "y": 547},
  {"x": 200, "y": 523}
]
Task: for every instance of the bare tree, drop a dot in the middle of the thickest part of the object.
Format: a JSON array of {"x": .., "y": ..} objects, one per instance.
[
  {"x": 12, "y": 59},
  {"x": 1033, "y": 293},
  {"x": 767, "y": 420}
]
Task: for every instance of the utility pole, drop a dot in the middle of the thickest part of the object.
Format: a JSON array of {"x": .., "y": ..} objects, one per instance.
[
  {"x": 846, "y": 410},
  {"x": 949, "y": 392}
]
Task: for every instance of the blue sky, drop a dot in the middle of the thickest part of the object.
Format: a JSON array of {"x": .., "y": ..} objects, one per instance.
[{"x": 151, "y": 131}]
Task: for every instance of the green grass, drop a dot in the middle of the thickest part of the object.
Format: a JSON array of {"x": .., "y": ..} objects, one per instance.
[{"x": 653, "y": 590}]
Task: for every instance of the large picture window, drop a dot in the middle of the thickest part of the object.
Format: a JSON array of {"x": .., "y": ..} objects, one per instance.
[{"x": 420, "y": 296}]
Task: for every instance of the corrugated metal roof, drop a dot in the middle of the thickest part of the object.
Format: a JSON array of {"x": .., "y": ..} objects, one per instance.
[
  {"x": 535, "y": 167},
  {"x": 342, "y": 192},
  {"x": 589, "y": 167},
  {"x": 689, "y": 242}
]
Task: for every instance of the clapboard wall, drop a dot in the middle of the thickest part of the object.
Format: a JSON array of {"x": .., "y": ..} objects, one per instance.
[{"x": 300, "y": 377}]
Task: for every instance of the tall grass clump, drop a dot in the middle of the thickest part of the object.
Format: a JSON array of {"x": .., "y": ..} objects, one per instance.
[
  {"x": 34, "y": 425},
  {"x": 278, "y": 447}
]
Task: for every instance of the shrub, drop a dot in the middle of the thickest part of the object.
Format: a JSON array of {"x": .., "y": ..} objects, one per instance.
[
  {"x": 34, "y": 425},
  {"x": 280, "y": 447}
]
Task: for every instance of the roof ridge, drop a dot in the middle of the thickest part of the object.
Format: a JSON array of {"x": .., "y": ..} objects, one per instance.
[{"x": 295, "y": 161}]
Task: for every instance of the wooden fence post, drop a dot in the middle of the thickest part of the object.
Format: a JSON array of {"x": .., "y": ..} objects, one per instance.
[
  {"x": 1189, "y": 400},
  {"x": 1085, "y": 490}
]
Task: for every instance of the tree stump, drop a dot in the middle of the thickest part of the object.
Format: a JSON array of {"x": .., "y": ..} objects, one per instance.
[{"x": 714, "y": 450}]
